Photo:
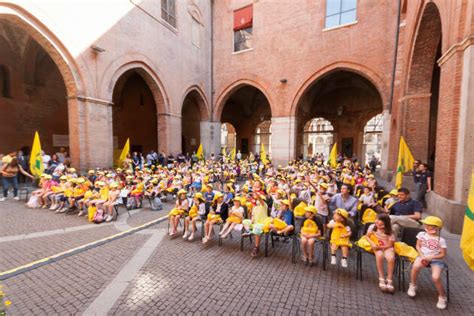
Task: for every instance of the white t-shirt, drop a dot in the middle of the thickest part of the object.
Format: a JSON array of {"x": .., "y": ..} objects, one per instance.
[
  {"x": 430, "y": 245},
  {"x": 321, "y": 204}
]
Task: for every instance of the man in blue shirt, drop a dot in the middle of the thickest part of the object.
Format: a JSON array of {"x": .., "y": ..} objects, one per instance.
[
  {"x": 344, "y": 200},
  {"x": 406, "y": 212}
]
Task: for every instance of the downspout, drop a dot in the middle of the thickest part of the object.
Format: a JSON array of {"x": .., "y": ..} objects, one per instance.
[
  {"x": 395, "y": 56},
  {"x": 212, "y": 61}
]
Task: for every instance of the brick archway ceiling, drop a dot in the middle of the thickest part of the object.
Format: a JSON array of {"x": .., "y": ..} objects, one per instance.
[
  {"x": 357, "y": 96},
  {"x": 246, "y": 105}
]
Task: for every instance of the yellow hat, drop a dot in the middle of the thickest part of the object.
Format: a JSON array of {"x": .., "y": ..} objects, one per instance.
[
  {"x": 80, "y": 180},
  {"x": 154, "y": 181},
  {"x": 101, "y": 183},
  {"x": 286, "y": 202},
  {"x": 323, "y": 185},
  {"x": 182, "y": 191},
  {"x": 72, "y": 170},
  {"x": 43, "y": 175},
  {"x": 238, "y": 199},
  {"x": 48, "y": 177},
  {"x": 433, "y": 221},
  {"x": 218, "y": 195},
  {"x": 311, "y": 209},
  {"x": 343, "y": 213},
  {"x": 129, "y": 177},
  {"x": 394, "y": 192},
  {"x": 63, "y": 178},
  {"x": 113, "y": 185},
  {"x": 297, "y": 181},
  {"x": 199, "y": 196},
  {"x": 91, "y": 171}
]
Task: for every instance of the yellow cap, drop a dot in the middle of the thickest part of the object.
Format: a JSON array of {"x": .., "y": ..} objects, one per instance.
[
  {"x": 218, "y": 195},
  {"x": 323, "y": 185},
  {"x": 80, "y": 180},
  {"x": 286, "y": 202},
  {"x": 63, "y": 178},
  {"x": 182, "y": 191},
  {"x": 343, "y": 213},
  {"x": 394, "y": 192},
  {"x": 433, "y": 221},
  {"x": 113, "y": 185},
  {"x": 311, "y": 209},
  {"x": 198, "y": 195},
  {"x": 238, "y": 199}
]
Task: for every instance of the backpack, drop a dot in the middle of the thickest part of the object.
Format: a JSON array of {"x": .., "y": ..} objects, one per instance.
[
  {"x": 156, "y": 204},
  {"x": 98, "y": 216}
]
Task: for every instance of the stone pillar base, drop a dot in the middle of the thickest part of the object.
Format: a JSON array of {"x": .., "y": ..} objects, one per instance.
[
  {"x": 283, "y": 139},
  {"x": 451, "y": 212},
  {"x": 211, "y": 138}
]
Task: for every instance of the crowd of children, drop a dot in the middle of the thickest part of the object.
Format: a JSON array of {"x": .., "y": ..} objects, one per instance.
[{"x": 249, "y": 197}]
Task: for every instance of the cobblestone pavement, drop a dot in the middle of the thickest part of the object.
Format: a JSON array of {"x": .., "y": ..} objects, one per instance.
[{"x": 181, "y": 277}]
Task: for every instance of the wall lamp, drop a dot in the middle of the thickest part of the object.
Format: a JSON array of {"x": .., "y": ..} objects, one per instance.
[
  {"x": 97, "y": 49},
  {"x": 283, "y": 80}
]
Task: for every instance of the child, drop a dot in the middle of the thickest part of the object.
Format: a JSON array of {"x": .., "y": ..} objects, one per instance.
[
  {"x": 236, "y": 215},
  {"x": 367, "y": 199},
  {"x": 282, "y": 224},
  {"x": 217, "y": 214},
  {"x": 340, "y": 235},
  {"x": 309, "y": 233},
  {"x": 432, "y": 249},
  {"x": 381, "y": 238},
  {"x": 196, "y": 213},
  {"x": 111, "y": 201},
  {"x": 181, "y": 207}
]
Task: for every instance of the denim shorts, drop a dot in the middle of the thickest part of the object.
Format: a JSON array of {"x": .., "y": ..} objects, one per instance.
[{"x": 439, "y": 263}]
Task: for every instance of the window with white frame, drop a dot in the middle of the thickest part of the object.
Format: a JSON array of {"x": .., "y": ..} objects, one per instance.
[
  {"x": 168, "y": 11},
  {"x": 243, "y": 27},
  {"x": 340, "y": 12}
]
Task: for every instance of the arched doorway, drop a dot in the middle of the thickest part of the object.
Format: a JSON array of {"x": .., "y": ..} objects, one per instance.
[
  {"x": 318, "y": 138},
  {"x": 228, "y": 137},
  {"x": 32, "y": 93},
  {"x": 193, "y": 112},
  {"x": 134, "y": 114},
  {"x": 245, "y": 109},
  {"x": 421, "y": 100},
  {"x": 346, "y": 99},
  {"x": 263, "y": 135},
  {"x": 373, "y": 138}
]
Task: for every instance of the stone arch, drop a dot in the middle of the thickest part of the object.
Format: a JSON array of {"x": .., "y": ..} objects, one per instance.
[
  {"x": 196, "y": 92},
  {"x": 231, "y": 88},
  {"x": 50, "y": 43},
  {"x": 148, "y": 75},
  {"x": 359, "y": 69}
]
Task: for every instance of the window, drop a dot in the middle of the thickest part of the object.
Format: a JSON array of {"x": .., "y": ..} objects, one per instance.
[
  {"x": 168, "y": 11},
  {"x": 243, "y": 22},
  {"x": 340, "y": 12},
  {"x": 195, "y": 33}
]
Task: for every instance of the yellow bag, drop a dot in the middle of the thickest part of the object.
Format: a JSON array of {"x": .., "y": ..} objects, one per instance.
[
  {"x": 299, "y": 210},
  {"x": 369, "y": 216},
  {"x": 309, "y": 227},
  {"x": 364, "y": 243},
  {"x": 279, "y": 224},
  {"x": 404, "y": 250},
  {"x": 91, "y": 212},
  {"x": 193, "y": 212}
]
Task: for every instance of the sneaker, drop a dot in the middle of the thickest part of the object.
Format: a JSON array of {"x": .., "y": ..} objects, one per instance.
[
  {"x": 442, "y": 302},
  {"x": 333, "y": 260},
  {"x": 108, "y": 218},
  {"x": 191, "y": 237},
  {"x": 2, "y": 199},
  {"x": 344, "y": 262},
  {"x": 17, "y": 198},
  {"x": 81, "y": 213},
  {"x": 411, "y": 290},
  {"x": 185, "y": 235}
]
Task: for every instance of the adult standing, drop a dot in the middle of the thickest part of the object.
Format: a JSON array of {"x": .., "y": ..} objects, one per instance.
[
  {"x": 10, "y": 178},
  {"x": 46, "y": 158},
  {"x": 424, "y": 183}
]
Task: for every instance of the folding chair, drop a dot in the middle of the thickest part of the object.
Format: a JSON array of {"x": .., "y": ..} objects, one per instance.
[
  {"x": 409, "y": 237},
  {"x": 291, "y": 237},
  {"x": 352, "y": 239},
  {"x": 123, "y": 203}
]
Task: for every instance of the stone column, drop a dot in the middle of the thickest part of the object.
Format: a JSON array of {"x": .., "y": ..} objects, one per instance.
[
  {"x": 90, "y": 132},
  {"x": 387, "y": 119},
  {"x": 211, "y": 137},
  {"x": 283, "y": 139},
  {"x": 169, "y": 133}
]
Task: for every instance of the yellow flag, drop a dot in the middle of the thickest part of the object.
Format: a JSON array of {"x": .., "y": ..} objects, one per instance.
[
  {"x": 200, "y": 153},
  {"x": 232, "y": 154},
  {"x": 405, "y": 162},
  {"x": 263, "y": 154},
  {"x": 467, "y": 237},
  {"x": 251, "y": 157},
  {"x": 333, "y": 156},
  {"x": 36, "y": 160},
  {"x": 224, "y": 153},
  {"x": 125, "y": 152}
]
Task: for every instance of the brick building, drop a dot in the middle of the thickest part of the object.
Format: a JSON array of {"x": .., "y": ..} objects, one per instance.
[{"x": 168, "y": 74}]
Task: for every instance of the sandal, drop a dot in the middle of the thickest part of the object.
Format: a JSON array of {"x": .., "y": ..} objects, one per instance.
[
  {"x": 389, "y": 286},
  {"x": 382, "y": 285},
  {"x": 254, "y": 252}
]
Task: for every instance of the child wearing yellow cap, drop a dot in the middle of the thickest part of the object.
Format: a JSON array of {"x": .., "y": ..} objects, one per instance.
[
  {"x": 236, "y": 215},
  {"x": 341, "y": 232},
  {"x": 309, "y": 233},
  {"x": 180, "y": 209},
  {"x": 432, "y": 249},
  {"x": 112, "y": 200},
  {"x": 197, "y": 212},
  {"x": 217, "y": 214}
]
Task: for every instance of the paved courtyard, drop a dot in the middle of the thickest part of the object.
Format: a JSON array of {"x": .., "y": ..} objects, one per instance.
[{"x": 150, "y": 273}]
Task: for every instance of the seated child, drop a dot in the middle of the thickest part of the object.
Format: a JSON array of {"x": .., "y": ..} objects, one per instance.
[
  {"x": 309, "y": 233},
  {"x": 432, "y": 249},
  {"x": 236, "y": 215},
  {"x": 197, "y": 212},
  {"x": 341, "y": 232},
  {"x": 381, "y": 238},
  {"x": 179, "y": 211}
]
